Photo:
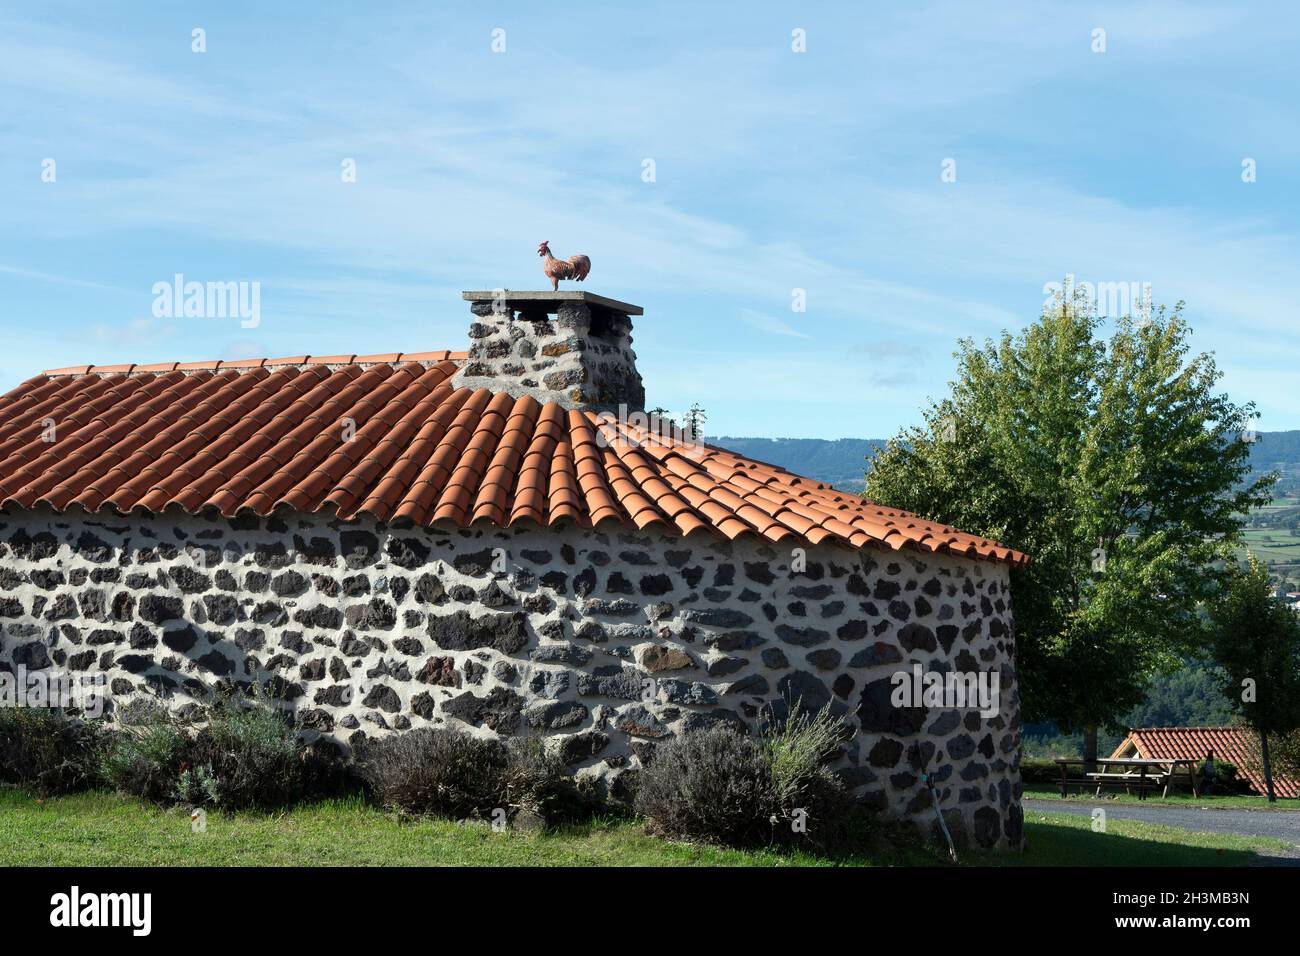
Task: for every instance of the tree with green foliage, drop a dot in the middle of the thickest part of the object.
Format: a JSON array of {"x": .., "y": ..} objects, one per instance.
[
  {"x": 1256, "y": 640},
  {"x": 1285, "y": 753},
  {"x": 1191, "y": 696},
  {"x": 1117, "y": 468}
]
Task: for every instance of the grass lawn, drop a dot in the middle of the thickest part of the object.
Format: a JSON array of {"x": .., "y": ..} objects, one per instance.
[
  {"x": 1177, "y": 799},
  {"x": 101, "y": 829},
  {"x": 1058, "y": 839}
]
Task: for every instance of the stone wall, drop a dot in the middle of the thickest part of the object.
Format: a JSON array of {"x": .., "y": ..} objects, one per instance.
[
  {"x": 606, "y": 640},
  {"x": 582, "y": 358}
]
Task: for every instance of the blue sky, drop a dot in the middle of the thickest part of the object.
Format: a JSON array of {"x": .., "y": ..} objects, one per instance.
[{"x": 774, "y": 171}]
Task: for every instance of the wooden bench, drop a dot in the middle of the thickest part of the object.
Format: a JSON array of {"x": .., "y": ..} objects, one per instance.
[{"x": 1134, "y": 772}]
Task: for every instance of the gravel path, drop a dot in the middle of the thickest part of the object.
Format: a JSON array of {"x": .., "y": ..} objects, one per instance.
[{"x": 1281, "y": 825}]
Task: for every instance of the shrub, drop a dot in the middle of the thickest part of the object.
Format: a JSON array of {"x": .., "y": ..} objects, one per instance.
[
  {"x": 245, "y": 755},
  {"x": 720, "y": 786},
  {"x": 1285, "y": 752},
  {"x": 449, "y": 773},
  {"x": 44, "y": 751},
  {"x": 1230, "y": 780},
  {"x": 1041, "y": 771},
  {"x": 534, "y": 781},
  {"x": 437, "y": 771},
  {"x": 797, "y": 749},
  {"x": 145, "y": 756},
  {"x": 713, "y": 785},
  {"x": 248, "y": 755}
]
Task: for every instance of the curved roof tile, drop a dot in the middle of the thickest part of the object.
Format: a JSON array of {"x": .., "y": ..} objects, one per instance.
[
  {"x": 390, "y": 437},
  {"x": 1237, "y": 745}
]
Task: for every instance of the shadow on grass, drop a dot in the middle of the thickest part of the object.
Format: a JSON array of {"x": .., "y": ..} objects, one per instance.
[{"x": 1050, "y": 844}]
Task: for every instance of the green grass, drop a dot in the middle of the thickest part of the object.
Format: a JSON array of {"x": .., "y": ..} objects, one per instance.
[
  {"x": 1057, "y": 839},
  {"x": 102, "y": 829},
  {"x": 1176, "y": 799}
]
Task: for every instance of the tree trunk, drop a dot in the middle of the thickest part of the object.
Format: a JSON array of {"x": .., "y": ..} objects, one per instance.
[
  {"x": 1268, "y": 768},
  {"x": 1090, "y": 748}
]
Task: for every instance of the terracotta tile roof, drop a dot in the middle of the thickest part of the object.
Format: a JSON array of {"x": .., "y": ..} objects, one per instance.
[
  {"x": 262, "y": 434},
  {"x": 1236, "y": 745}
]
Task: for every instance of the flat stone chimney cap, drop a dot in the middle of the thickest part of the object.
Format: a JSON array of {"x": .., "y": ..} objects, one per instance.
[{"x": 548, "y": 301}]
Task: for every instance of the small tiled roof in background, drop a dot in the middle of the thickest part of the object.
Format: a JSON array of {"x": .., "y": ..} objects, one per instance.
[
  {"x": 1235, "y": 745},
  {"x": 261, "y": 434}
]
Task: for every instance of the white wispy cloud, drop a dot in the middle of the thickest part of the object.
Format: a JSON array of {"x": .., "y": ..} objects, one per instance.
[
  {"x": 770, "y": 323},
  {"x": 774, "y": 172}
]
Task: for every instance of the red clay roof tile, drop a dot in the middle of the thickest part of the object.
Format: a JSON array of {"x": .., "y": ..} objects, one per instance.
[
  {"x": 1235, "y": 745},
  {"x": 387, "y": 435}
]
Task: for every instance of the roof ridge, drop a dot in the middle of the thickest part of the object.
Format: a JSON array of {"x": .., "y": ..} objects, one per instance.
[
  {"x": 383, "y": 358},
  {"x": 1196, "y": 727}
]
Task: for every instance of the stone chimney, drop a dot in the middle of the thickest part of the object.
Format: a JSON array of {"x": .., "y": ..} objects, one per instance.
[{"x": 581, "y": 358}]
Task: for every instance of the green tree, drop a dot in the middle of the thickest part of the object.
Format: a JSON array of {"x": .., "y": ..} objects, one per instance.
[
  {"x": 1192, "y": 696},
  {"x": 1286, "y": 754},
  {"x": 1116, "y": 467},
  {"x": 1256, "y": 640}
]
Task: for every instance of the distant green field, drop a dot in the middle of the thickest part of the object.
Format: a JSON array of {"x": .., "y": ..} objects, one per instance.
[
  {"x": 1273, "y": 545},
  {"x": 1279, "y": 505},
  {"x": 1272, "y": 542}
]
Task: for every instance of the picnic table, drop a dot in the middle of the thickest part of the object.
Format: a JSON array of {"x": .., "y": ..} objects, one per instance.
[{"x": 1127, "y": 772}]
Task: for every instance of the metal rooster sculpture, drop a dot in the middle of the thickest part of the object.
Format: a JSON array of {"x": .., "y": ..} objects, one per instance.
[{"x": 574, "y": 267}]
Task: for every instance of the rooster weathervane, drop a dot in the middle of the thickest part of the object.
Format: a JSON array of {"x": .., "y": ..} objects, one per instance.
[{"x": 574, "y": 267}]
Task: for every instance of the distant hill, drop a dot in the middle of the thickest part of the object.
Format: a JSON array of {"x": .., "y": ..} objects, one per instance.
[
  {"x": 843, "y": 462},
  {"x": 1279, "y": 451}
]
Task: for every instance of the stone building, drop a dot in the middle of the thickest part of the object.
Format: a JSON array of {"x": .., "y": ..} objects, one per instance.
[{"x": 494, "y": 540}]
